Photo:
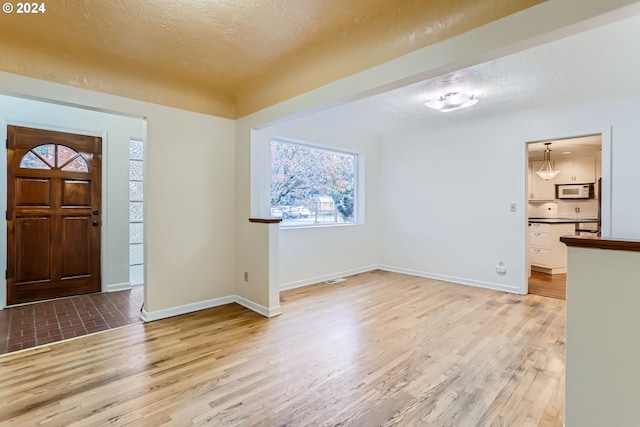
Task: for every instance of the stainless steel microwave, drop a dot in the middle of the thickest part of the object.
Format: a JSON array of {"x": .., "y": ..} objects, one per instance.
[{"x": 575, "y": 191}]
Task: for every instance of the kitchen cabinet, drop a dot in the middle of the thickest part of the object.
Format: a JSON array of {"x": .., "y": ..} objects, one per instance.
[
  {"x": 540, "y": 189},
  {"x": 546, "y": 253},
  {"x": 575, "y": 170}
]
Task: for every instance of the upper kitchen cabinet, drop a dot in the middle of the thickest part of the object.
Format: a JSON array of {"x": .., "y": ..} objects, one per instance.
[
  {"x": 540, "y": 189},
  {"x": 575, "y": 170}
]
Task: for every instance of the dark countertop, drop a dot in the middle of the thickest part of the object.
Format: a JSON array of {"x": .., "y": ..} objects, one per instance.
[
  {"x": 602, "y": 243},
  {"x": 563, "y": 220}
]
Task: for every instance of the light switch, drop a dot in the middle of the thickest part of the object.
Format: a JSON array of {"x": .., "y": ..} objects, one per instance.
[{"x": 512, "y": 207}]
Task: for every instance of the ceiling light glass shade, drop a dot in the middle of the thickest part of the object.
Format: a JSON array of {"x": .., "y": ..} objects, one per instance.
[
  {"x": 452, "y": 101},
  {"x": 546, "y": 171},
  {"x": 547, "y": 175}
]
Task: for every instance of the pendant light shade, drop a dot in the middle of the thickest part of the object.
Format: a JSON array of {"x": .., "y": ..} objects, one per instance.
[{"x": 546, "y": 171}]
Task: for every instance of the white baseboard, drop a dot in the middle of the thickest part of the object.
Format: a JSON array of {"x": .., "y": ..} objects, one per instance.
[
  {"x": 453, "y": 279},
  {"x": 150, "y": 316},
  {"x": 318, "y": 279},
  {"x": 260, "y": 309},
  {"x": 115, "y": 287},
  {"x": 277, "y": 310}
]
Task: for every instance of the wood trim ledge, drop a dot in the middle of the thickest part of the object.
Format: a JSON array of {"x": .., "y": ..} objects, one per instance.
[
  {"x": 265, "y": 220},
  {"x": 602, "y": 243}
]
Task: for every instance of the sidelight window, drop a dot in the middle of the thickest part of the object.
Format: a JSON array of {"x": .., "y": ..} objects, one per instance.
[
  {"x": 136, "y": 214},
  {"x": 54, "y": 156}
]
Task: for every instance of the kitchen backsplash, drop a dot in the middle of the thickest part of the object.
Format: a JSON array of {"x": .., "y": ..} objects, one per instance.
[{"x": 564, "y": 209}]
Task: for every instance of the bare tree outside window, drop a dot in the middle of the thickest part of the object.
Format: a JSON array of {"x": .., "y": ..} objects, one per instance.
[{"x": 311, "y": 185}]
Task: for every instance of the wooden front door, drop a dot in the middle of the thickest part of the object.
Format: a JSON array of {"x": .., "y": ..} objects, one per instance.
[{"x": 53, "y": 214}]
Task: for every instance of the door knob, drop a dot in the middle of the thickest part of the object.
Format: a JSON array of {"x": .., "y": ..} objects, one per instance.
[
  {"x": 96, "y": 223},
  {"x": 96, "y": 212}
]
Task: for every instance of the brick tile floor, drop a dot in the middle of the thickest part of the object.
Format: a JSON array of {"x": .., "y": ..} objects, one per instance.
[{"x": 49, "y": 321}]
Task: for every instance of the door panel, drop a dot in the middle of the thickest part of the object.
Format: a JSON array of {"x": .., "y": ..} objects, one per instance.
[
  {"x": 76, "y": 193},
  {"x": 53, "y": 236},
  {"x": 32, "y": 192},
  {"x": 75, "y": 248},
  {"x": 29, "y": 232}
]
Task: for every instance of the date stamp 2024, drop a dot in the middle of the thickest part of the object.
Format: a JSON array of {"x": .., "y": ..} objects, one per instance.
[{"x": 24, "y": 8}]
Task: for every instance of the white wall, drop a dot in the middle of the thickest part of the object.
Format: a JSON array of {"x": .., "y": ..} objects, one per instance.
[
  {"x": 189, "y": 196},
  {"x": 313, "y": 254},
  {"x": 189, "y": 210},
  {"x": 445, "y": 193},
  {"x": 115, "y": 131},
  {"x": 445, "y": 197}
]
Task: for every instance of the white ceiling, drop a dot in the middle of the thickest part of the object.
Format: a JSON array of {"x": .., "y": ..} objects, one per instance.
[
  {"x": 580, "y": 146},
  {"x": 599, "y": 63}
]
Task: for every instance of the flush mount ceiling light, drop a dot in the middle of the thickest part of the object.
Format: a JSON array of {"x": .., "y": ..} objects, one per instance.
[
  {"x": 546, "y": 170},
  {"x": 452, "y": 101}
]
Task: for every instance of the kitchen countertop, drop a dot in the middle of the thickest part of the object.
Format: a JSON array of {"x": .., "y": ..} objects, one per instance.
[
  {"x": 563, "y": 220},
  {"x": 602, "y": 243}
]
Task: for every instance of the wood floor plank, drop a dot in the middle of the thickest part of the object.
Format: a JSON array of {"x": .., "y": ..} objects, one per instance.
[
  {"x": 548, "y": 285},
  {"x": 380, "y": 349}
]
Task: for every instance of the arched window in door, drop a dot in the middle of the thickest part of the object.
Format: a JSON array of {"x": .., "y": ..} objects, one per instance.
[{"x": 54, "y": 156}]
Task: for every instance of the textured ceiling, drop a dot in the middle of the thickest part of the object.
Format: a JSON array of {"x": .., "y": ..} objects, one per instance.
[
  {"x": 600, "y": 63},
  {"x": 226, "y": 51},
  {"x": 214, "y": 43}
]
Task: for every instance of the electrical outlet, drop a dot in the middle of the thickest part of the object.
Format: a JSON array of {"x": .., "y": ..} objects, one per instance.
[
  {"x": 500, "y": 268},
  {"x": 246, "y": 276}
]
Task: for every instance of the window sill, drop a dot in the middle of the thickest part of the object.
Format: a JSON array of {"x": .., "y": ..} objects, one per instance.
[
  {"x": 265, "y": 220},
  {"x": 297, "y": 227}
]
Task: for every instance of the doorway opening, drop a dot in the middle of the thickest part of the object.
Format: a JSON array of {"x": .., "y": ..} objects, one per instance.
[
  {"x": 565, "y": 202},
  {"x": 105, "y": 308},
  {"x": 54, "y": 225}
]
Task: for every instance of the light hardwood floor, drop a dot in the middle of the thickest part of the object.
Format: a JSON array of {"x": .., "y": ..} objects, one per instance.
[
  {"x": 548, "y": 285},
  {"x": 380, "y": 349}
]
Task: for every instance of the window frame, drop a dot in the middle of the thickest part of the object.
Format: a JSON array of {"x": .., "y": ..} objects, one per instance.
[{"x": 358, "y": 166}]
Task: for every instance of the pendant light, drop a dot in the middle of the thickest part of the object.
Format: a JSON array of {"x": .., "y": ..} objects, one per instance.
[{"x": 546, "y": 170}]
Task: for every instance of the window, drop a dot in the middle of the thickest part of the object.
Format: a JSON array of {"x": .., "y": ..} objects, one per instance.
[
  {"x": 311, "y": 185},
  {"x": 136, "y": 200},
  {"x": 52, "y": 156}
]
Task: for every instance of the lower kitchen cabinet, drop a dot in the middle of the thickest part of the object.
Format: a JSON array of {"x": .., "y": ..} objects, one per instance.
[{"x": 546, "y": 253}]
